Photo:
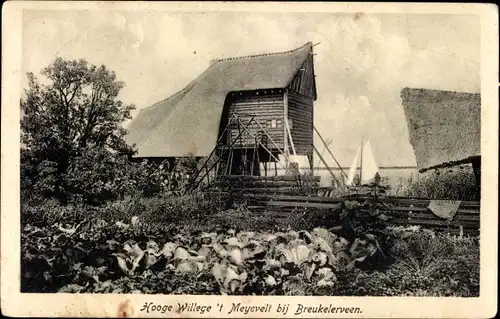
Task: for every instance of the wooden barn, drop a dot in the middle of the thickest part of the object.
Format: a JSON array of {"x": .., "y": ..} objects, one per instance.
[{"x": 247, "y": 111}]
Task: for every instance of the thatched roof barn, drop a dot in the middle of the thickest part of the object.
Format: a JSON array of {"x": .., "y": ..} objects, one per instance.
[
  {"x": 190, "y": 121},
  {"x": 444, "y": 126}
]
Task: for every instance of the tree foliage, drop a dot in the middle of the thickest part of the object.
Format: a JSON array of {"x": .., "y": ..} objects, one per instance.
[{"x": 72, "y": 130}]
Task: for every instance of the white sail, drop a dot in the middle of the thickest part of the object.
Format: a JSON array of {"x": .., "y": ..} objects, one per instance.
[
  {"x": 370, "y": 167},
  {"x": 353, "y": 169}
]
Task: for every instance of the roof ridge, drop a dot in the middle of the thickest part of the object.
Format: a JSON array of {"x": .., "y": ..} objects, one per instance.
[
  {"x": 262, "y": 54},
  {"x": 169, "y": 97},
  {"x": 187, "y": 87}
]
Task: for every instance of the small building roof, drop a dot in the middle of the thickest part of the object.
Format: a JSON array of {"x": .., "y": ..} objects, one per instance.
[
  {"x": 188, "y": 121},
  {"x": 444, "y": 126}
]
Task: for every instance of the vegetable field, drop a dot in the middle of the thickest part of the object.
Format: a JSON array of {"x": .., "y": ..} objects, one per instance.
[{"x": 81, "y": 252}]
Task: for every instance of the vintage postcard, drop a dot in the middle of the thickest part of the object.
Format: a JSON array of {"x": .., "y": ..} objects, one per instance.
[{"x": 234, "y": 160}]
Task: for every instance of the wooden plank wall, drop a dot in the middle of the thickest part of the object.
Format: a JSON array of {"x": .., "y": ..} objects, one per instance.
[
  {"x": 304, "y": 82},
  {"x": 300, "y": 110},
  {"x": 266, "y": 107}
]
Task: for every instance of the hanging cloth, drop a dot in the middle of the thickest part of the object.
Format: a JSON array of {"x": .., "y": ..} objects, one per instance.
[{"x": 445, "y": 209}]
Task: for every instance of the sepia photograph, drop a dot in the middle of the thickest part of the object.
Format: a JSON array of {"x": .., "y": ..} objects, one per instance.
[{"x": 250, "y": 153}]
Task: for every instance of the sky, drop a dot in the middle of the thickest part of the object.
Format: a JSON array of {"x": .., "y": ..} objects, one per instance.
[{"x": 362, "y": 61}]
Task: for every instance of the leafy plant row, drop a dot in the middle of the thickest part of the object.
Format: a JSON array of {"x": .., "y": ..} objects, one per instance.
[{"x": 85, "y": 253}]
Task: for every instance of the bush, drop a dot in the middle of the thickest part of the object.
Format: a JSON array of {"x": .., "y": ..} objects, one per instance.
[
  {"x": 98, "y": 176},
  {"x": 453, "y": 184},
  {"x": 426, "y": 264},
  {"x": 92, "y": 176}
]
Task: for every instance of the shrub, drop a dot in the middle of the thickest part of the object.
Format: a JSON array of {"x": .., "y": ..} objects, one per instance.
[
  {"x": 97, "y": 176},
  {"x": 147, "y": 179},
  {"x": 454, "y": 184}
]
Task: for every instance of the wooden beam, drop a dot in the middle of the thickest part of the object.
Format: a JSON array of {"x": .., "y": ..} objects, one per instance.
[
  {"x": 310, "y": 158},
  {"x": 311, "y": 205},
  {"x": 268, "y": 136},
  {"x": 285, "y": 135},
  {"x": 272, "y": 178},
  {"x": 214, "y": 149},
  {"x": 290, "y": 136},
  {"x": 476, "y": 166},
  {"x": 324, "y": 162},
  {"x": 253, "y": 156},
  {"x": 328, "y": 149},
  {"x": 263, "y": 146},
  {"x": 230, "y": 147}
]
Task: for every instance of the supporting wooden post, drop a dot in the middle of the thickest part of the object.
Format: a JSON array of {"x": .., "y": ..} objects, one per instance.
[
  {"x": 311, "y": 162},
  {"x": 241, "y": 148},
  {"x": 253, "y": 156},
  {"x": 245, "y": 127},
  {"x": 324, "y": 163},
  {"x": 195, "y": 183},
  {"x": 361, "y": 165},
  {"x": 258, "y": 158},
  {"x": 285, "y": 131},
  {"x": 208, "y": 174},
  {"x": 290, "y": 136},
  {"x": 215, "y": 148},
  {"x": 268, "y": 137},
  {"x": 329, "y": 151},
  {"x": 476, "y": 166},
  {"x": 231, "y": 159}
]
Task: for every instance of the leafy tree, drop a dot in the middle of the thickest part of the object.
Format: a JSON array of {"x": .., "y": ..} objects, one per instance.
[{"x": 68, "y": 126}]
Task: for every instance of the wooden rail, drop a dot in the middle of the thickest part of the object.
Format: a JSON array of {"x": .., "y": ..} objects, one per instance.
[
  {"x": 285, "y": 195},
  {"x": 305, "y": 205},
  {"x": 292, "y": 178},
  {"x": 399, "y": 211}
]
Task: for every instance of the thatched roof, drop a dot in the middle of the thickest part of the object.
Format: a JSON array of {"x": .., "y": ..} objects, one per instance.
[
  {"x": 188, "y": 121},
  {"x": 444, "y": 126}
]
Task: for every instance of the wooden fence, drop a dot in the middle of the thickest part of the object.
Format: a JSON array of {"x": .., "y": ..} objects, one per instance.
[
  {"x": 286, "y": 194},
  {"x": 399, "y": 211}
]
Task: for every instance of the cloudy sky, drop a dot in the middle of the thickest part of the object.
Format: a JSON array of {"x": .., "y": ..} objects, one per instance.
[{"x": 362, "y": 61}]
